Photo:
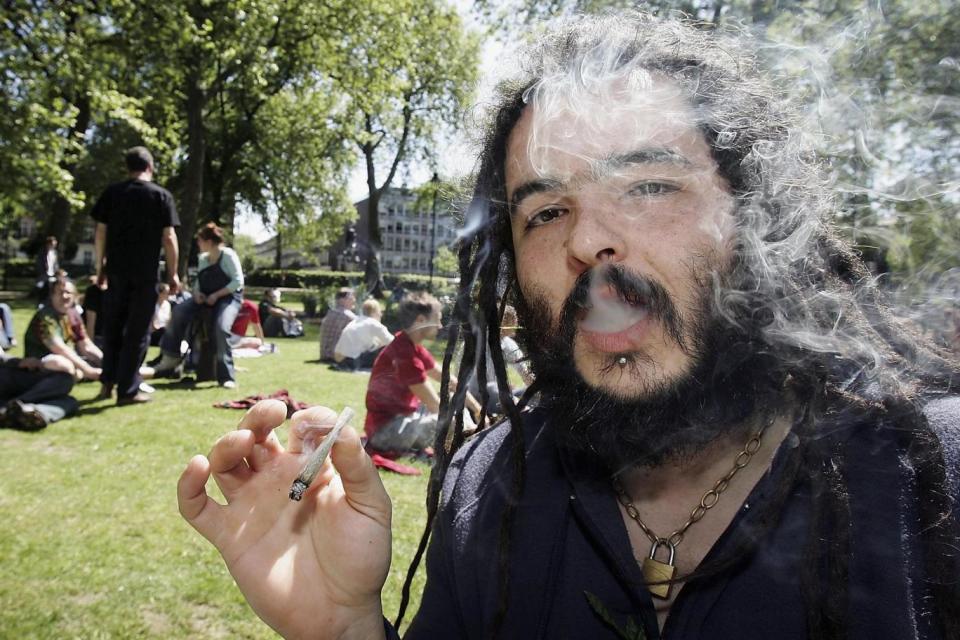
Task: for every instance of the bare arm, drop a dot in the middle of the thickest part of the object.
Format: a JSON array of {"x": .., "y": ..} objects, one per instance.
[
  {"x": 427, "y": 395},
  {"x": 91, "y": 322},
  {"x": 258, "y": 330},
  {"x": 60, "y": 348},
  {"x": 100, "y": 248},
  {"x": 172, "y": 253},
  {"x": 469, "y": 401}
]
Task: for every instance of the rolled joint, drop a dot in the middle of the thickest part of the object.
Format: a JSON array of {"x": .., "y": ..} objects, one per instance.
[{"x": 297, "y": 489}]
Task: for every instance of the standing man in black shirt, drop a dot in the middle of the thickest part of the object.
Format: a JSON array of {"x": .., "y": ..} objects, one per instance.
[{"x": 134, "y": 219}]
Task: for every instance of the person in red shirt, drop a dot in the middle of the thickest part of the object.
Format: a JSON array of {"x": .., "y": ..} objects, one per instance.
[
  {"x": 248, "y": 315},
  {"x": 402, "y": 405}
]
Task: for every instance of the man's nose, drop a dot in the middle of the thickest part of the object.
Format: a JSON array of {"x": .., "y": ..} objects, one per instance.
[{"x": 593, "y": 238}]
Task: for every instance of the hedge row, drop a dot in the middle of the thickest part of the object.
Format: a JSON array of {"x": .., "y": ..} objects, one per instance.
[
  {"x": 20, "y": 268},
  {"x": 319, "y": 279}
]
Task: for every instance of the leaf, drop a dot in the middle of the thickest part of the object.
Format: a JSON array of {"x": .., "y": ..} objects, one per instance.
[{"x": 633, "y": 631}]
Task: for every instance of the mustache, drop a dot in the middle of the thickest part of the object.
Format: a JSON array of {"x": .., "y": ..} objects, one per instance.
[{"x": 632, "y": 288}]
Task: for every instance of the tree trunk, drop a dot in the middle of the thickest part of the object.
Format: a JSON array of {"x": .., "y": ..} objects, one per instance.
[
  {"x": 372, "y": 275},
  {"x": 278, "y": 252},
  {"x": 193, "y": 183},
  {"x": 58, "y": 224}
]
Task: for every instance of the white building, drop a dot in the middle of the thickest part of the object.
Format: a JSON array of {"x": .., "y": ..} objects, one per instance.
[{"x": 406, "y": 229}]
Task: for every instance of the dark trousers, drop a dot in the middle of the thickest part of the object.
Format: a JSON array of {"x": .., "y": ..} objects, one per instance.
[
  {"x": 224, "y": 312},
  {"x": 364, "y": 361},
  {"x": 128, "y": 307},
  {"x": 46, "y": 390}
]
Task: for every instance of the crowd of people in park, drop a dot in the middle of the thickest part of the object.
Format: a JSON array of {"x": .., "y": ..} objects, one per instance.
[{"x": 135, "y": 300}]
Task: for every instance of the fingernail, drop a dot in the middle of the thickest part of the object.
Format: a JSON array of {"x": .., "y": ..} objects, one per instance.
[{"x": 306, "y": 426}]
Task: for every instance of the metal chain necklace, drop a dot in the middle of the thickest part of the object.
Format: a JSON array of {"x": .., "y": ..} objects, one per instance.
[{"x": 658, "y": 574}]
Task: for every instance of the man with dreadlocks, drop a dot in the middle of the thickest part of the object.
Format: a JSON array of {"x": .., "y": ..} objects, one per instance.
[{"x": 732, "y": 436}]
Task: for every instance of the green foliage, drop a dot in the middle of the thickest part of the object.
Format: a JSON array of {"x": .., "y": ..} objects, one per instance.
[
  {"x": 880, "y": 83},
  {"x": 409, "y": 74},
  {"x": 631, "y": 630},
  {"x": 445, "y": 262},
  {"x": 255, "y": 103},
  {"x": 320, "y": 280},
  {"x": 20, "y": 268}
]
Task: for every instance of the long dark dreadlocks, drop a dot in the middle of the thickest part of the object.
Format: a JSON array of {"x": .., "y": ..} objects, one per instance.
[{"x": 795, "y": 288}]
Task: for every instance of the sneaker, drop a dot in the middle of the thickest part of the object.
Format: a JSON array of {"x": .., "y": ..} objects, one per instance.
[
  {"x": 229, "y": 384},
  {"x": 139, "y": 398},
  {"x": 146, "y": 388},
  {"x": 24, "y": 416}
]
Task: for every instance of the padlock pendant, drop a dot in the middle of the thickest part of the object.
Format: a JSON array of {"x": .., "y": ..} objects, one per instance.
[{"x": 656, "y": 571}]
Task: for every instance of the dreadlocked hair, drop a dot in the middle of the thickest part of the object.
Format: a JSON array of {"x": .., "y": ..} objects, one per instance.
[{"x": 794, "y": 285}]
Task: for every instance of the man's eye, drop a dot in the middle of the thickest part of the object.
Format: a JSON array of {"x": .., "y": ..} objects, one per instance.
[
  {"x": 544, "y": 216},
  {"x": 652, "y": 189}
]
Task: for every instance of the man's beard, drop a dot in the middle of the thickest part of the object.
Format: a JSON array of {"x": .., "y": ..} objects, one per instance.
[{"x": 729, "y": 378}]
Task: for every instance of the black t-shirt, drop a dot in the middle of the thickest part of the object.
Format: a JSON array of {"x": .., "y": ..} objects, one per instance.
[{"x": 135, "y": 212}]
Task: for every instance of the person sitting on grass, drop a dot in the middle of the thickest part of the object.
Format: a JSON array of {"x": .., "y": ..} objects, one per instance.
[
  {"x": 338, "y": 317},
  {"x": 402, "y": 405},
  {"x": 85, "y": 346},
  {"x": 512, "y": 355},
  {"x": 277, "y": 320},
  {"x": 248, "y": 315},
  {"x": 219, "y": 286},
  {"x": 363, "y": 339},
  {"x": 50, "y": 331},
  {"x": 33, "y": 392},
  {"x": 162, "y": 313}
]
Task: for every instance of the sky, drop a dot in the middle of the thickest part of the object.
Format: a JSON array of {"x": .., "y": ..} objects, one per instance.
[{"x": 456, "y": 155}]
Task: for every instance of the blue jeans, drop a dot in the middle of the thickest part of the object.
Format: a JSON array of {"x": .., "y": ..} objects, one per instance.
[
  {"x": 224, "y": 311},
  {"x": 45, "y": 390},
  {"x": 6, "y": 319}
]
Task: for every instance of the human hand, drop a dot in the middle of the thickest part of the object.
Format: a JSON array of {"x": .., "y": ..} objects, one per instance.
[
  {"x": 211, "y": 299},
  {"x": 174, "y": 281},
  {"x": 200, "y": 298},
  {"x": 101, "y": 279},
  {"x": 324, "y": 558},
  {"x": 90, "y": 373}
]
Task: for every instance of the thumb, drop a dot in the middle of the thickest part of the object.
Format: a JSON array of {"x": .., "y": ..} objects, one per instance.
[
  {"x": 196, "y": 507},
  {"x": 359, "y": 477}
]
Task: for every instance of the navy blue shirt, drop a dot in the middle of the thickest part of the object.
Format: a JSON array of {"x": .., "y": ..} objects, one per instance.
[{"x": 569, "y": 540}]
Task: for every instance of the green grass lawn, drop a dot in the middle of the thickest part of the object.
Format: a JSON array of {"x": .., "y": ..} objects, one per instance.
[{"x": 91, "y": 543}]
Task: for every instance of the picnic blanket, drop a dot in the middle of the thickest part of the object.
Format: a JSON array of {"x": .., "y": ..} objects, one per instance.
[
  {"x": 392, "y": 465},
  {"x": 245, "y": 403}
]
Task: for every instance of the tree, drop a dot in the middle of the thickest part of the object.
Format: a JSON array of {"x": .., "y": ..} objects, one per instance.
[
  {"x": 65, "y": 69},
  {"x": 295, "y": 173},
  {"x": 445, "y": 262},
  {"x": 409, "y": 71},
  {"x": 226, "y": 60},
  {"x": 880, "y": 82}
]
